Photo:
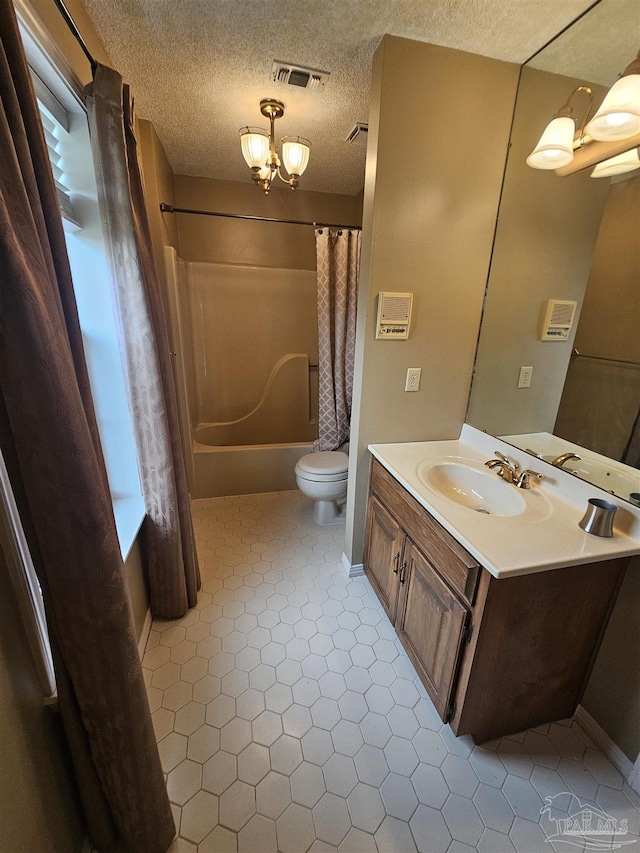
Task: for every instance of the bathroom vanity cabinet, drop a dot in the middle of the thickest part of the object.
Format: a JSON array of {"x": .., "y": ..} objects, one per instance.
[{"x": 496, "y": 655}]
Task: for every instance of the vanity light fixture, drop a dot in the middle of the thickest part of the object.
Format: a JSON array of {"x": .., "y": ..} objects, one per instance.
[
  {"x": 259, "y": 150},
  {"x": 619, "y": 115},
  {"x": 557, "y": 143},
  {"x": 613, "y": 131},
  {"x": 626, "y": 162}
]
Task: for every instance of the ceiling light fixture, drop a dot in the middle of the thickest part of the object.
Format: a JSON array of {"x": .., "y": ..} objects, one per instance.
[
  {"x": 259, "y": 150},
  {"x": 612, "y": 131}
]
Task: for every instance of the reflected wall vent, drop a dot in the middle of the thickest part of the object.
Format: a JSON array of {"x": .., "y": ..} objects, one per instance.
[
  {"x": 297, "y": 75},
  {"x": 359, "y": 134},
  {"x": 556, "y": 319}
]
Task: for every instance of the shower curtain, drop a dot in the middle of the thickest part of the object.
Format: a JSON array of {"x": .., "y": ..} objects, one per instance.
[{"x": 338, "y": 264}]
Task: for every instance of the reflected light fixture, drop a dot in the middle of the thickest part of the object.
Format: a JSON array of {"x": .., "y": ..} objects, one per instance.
[
  {"x": 626, "y": 162},
  {"x": 556, "y": 145},
  {"x": 259, "y": 150},
  {"x": 616, "y": 120},
  {"x": 619, "y": 115}
]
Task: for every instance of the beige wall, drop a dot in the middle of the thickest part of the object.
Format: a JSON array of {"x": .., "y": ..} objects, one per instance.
[
  {"x": 228, "y": 241},
  {"x": 610, "y": 327},
  {"x": 545, "y": 240},
  {"x": 610, "y": 317},
  {"x": 434, "y": 166},
  {"x": 612, "y": 696},
  {"x": 135, "y": 570},
  {"x": 158, "y": 187},
  {"x": 599, "y": 404},
  {"x": 39, "y": 809}
]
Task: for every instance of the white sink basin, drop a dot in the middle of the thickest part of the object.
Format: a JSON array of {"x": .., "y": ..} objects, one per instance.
[{"x": 472, "y": 488}]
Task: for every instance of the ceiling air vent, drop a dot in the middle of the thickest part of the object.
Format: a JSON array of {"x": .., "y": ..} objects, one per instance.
[
  {"x": 358, "y": 134},
  {"x": 298, "y": 75}
]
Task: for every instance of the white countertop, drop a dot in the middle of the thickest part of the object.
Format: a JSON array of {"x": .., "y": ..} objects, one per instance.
[{"x": 544, "y": 536}]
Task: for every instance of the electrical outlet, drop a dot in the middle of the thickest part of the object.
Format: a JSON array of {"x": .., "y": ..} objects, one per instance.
[
  {"x": 413, "y": 379},
  {"x": 524, "y": 380}
]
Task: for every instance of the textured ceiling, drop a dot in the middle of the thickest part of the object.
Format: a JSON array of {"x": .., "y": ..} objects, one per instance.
[
  {"x": 598, "y": 46},
  {"x": 198, "y": 68}
]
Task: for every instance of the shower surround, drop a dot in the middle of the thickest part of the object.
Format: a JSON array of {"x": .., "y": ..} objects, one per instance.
[{"x": 246, "y": 344}]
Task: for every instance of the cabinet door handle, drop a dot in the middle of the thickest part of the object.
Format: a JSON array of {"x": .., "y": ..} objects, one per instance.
[
  {"x": 395, "y": 563},
  {"x": 403, "y": 576}
]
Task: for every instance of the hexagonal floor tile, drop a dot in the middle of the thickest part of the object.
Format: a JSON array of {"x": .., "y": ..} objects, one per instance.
[
  {"x": 237, "y": 805},
  {"x": 253, "y": 763},
  {"x": 295, "y": 829},
  {"x": 365, "y": 807},
  {"x": 340, "y": 775},
  {"x": 219, "y": 772},
  {"x": 307, "y": 784},
  {"x": 273, "y": 795},
  {"x": 203, "y": 743},
  {"x": 258, "y": 834},
  {"x": 199, "y": 817},
  {"x": 331, "y": 819}
]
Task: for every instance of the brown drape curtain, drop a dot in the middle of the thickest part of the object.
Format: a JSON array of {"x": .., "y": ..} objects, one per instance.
[
  {"x": 174, "y": 577},
  {"x": 50, "y": 440},
  {"x": 338, "y": 265}
]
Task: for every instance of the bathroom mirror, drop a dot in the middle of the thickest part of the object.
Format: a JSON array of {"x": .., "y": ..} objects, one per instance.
[{"x": 572, "y": 239}]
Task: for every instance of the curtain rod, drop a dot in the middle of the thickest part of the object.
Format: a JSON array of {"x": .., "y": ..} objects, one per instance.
[
  {"x": 576, "y": 354},
  {"x": 169, "y": 208},
  {"x": 75, "y": 32}
]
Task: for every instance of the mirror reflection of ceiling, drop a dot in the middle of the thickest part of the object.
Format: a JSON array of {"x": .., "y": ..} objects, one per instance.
[
  {"x": 598, "y": 46},
  {"x": 198, "y": 68}
]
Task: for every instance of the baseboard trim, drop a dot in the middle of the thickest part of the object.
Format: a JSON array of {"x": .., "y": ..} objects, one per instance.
[
  {"x": 352, "y": 570},
  {"x": 604, "y": 742},
  {"x": 144, "y": 634}
]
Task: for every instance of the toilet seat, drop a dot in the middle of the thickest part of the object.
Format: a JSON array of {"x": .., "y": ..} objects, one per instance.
[{"x": 326, "y": 466}]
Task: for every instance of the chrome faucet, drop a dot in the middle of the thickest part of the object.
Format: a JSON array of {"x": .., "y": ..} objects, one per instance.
[
  {"x": 565, "y": 457},
  {"x": 510, "y": 471}
]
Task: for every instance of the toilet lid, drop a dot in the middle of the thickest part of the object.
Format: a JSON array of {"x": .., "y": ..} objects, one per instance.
[{"x": 326, "y": 463}]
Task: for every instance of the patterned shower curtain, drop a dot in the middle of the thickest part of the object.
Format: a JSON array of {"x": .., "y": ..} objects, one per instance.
[{"x": 338, "y": 263}]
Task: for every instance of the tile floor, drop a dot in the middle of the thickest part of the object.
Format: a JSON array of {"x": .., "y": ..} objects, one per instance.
[{"x": 289, "y": 718}]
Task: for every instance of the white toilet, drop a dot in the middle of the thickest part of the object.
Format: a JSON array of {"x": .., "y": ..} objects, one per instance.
[{"x": 323, "y": 478}]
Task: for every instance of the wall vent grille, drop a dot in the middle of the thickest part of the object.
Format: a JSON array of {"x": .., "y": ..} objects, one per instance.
[
  {"x": 358, "y": 134},
  {"x": 297, "y": 75}
]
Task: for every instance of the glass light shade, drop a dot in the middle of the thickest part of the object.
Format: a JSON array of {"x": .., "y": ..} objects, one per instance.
[
  {"x": 265, "y": 173},
  {"x": 295, "y": 154},
  {"x": 555, "y": 147},
  {"x": 626, "y": 162},
  {"x": 255, "y": 146},
  {"x": 619, "y": 115}
]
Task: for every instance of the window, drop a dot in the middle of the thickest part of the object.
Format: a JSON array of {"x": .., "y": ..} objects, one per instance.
[{"x": 64, "y": 120}]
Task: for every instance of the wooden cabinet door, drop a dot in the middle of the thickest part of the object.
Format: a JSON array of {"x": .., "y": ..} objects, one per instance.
[
  {"x": 430, "y": 624},
  {"x": 382, "y": 553}
]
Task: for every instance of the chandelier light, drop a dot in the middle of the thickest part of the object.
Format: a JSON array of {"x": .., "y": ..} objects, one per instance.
[
  {"x": 612, "y": 131},
  {"x": 259, "y": 150}
]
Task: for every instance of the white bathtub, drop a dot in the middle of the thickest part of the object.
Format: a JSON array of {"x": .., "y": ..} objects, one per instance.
[
  {"x": 244, "y": 470},
  {"x": 247, "y": 386}
]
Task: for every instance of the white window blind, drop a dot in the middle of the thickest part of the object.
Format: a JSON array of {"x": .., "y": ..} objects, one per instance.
[{"x": 56, "y": 131}]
